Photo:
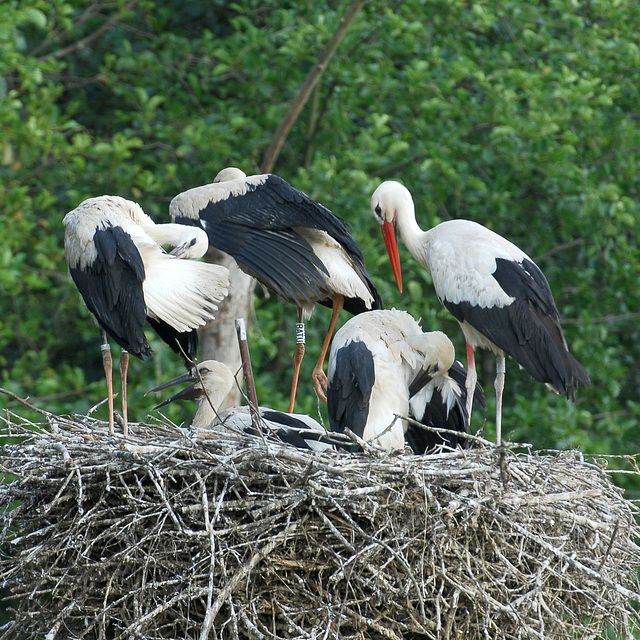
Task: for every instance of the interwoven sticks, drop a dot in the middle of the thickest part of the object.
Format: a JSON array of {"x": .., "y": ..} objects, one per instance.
[{"x": 223, "y": 535}]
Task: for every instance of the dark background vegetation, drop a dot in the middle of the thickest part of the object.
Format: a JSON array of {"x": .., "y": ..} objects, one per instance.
[{"x": 521, "y": 115}]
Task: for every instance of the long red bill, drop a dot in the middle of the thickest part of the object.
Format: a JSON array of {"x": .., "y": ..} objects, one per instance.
[{"x": 389, "y": 235}]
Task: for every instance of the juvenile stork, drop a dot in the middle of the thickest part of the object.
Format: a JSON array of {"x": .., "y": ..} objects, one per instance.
[
  {"x": 384, "y": 368},
  {"x": 211, "y": 381},
  {"x": 499, "y": 296},
  {"x": 288, "y": 242},
  {"x": 115, "y": 257}
]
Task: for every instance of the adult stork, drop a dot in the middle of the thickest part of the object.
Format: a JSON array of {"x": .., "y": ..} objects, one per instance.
[
  {"x": 382, "y": 369},
  {"x": 499, "y": 296},
  {"x": 288, "y": 242},
  {"x": 115, "y": 257},
  {"x": 211, "y": 381}
]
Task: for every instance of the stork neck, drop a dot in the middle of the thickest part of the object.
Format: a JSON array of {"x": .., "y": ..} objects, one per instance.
[
  {"x": 205, "y": 416},
  {"x": 412, "y": 235},
  {"x": 177, "y": 234}
]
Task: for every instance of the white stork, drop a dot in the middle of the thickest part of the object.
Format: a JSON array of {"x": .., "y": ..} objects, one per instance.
[
  {"x": 211, "y": 381},
  {"x": 288, "y": 242},
  {"x": 496, "y": 292},
  {"x": 115, "y": 257},
  {"x": 382, "y": 365}
]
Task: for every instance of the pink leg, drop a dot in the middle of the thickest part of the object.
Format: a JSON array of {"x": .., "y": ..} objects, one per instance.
[
  {"x": 298, "y": 354},
  {"x": 501, "y": 369},
  {"x": 124, "y": 367},
  {"x": 319, "y": 376},
  {"x": 472, "y": 378},
  {"x": 107, "y": 364}
]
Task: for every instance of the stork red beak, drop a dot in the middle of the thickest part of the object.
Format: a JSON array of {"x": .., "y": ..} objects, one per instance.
[{"x": 389, "y": 235}]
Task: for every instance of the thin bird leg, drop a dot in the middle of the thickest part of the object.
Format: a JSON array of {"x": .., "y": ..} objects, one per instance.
[
  {"x": 501, "y": 369},
  {"x": 124, "y": 367},
  {"x": 298, "y": 354},
  {"x": 472, "y": 379},
  {"x": 107, "y": 363},
  {"x": 319, "y": 376}
]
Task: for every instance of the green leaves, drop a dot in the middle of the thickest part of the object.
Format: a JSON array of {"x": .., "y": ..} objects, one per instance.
[{"x": 521, "y": 116}]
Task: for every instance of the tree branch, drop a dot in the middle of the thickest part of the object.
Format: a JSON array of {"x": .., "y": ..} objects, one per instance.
[
  {"x": 310, "y": 82},
  {"x": 61, "y": 53}
]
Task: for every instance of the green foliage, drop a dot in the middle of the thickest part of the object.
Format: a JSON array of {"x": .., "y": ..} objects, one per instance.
[{"x": 520, "y": 115}]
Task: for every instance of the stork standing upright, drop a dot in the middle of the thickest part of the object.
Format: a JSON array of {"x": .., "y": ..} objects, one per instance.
[
  {"x": 211, "y": 381},
  {"x": 384, "y": 368},
  {"x": 288, "y": 242},
  {"x": 499, "y": 296},
  {"x": 115, "y": 257}
]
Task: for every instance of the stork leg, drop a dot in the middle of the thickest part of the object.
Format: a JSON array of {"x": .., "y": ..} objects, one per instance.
[
  {"x": 501, "y": 369},
  {"x": 107, "y": 363},
  {"x": 472, "y": 379},
  {"x": 319, "y": 376},
  {"x": 124, "y": 367},
  {"x": 298, "y": 354}
]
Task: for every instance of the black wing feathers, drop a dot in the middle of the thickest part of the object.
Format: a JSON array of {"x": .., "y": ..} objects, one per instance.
[
  {"x": 436, "y": 414},
  {"x": 184, "y": 344},
  {"x": 529, "y": 328},
  {"x": 111, "y": 287},
  {"x": 259, "y": 229},
  {"x": 349, "y": 389},
  {"x": 298, "y": 433}
]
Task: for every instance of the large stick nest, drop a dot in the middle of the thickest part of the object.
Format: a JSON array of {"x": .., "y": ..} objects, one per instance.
[{"x": 168, "y": 534}]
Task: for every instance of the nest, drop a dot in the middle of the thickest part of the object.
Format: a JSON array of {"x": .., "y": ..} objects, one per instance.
[{"x": 168, "y": 534}]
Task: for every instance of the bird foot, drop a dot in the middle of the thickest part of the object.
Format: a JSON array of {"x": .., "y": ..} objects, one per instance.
[{"x": 320, "y": 383}]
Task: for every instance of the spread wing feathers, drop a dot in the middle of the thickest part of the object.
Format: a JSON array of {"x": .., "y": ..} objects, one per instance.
[
  {"x": 183, "y": 293},
  {"x": 259, "y": 202},
  {"x": 351, "y": 379},
  {"x": 261, "y": 221},
  {"x": 281, "y": 260},
  {"x": 112, "y": 288},
  {"x": 529, "y": 328}
]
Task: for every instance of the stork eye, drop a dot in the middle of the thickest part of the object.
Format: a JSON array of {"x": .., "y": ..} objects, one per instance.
[{"x": 378, "y": 210}]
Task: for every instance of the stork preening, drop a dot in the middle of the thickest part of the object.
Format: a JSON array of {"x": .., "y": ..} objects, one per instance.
[
  {"x": 384, "y": 368},
  {"x": 115, "y": 257},
  {"x": 499, "y": 296},
  {"x": 288, "y": 242},
  {"x": 211, "y": 381}
]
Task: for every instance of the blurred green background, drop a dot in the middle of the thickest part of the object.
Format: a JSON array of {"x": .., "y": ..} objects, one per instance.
[{"x": 520, "y": 115}]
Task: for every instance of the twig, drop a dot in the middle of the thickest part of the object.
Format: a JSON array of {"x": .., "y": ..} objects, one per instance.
[
  {"x": 244, "y": 571},
  {"x": 27, "y": 404},
  {"x": 310, "y": 82}
]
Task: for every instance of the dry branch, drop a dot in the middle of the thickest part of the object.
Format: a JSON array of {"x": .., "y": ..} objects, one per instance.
[{"x": 172, "y": 534}]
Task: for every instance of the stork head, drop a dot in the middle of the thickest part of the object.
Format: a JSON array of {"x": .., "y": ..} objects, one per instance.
[
  {"x": 230, "y": 173},
  {"x": 386, "y": 200},
  {"x": 438, "y": 351},
  {"x": 191, "y": 243},
  {"x": 211, "y": 381}
]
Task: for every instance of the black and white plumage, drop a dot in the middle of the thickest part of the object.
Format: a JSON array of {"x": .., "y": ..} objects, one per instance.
[
  {"x": 288, "y": 242},
  {"x": 499, "y": 296},
  {"x": 115, "y": 257},
  {"x": 211, "y": 381},
  {"x": 440, "y": 401},
  {"x": 382, "y": 365}
]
